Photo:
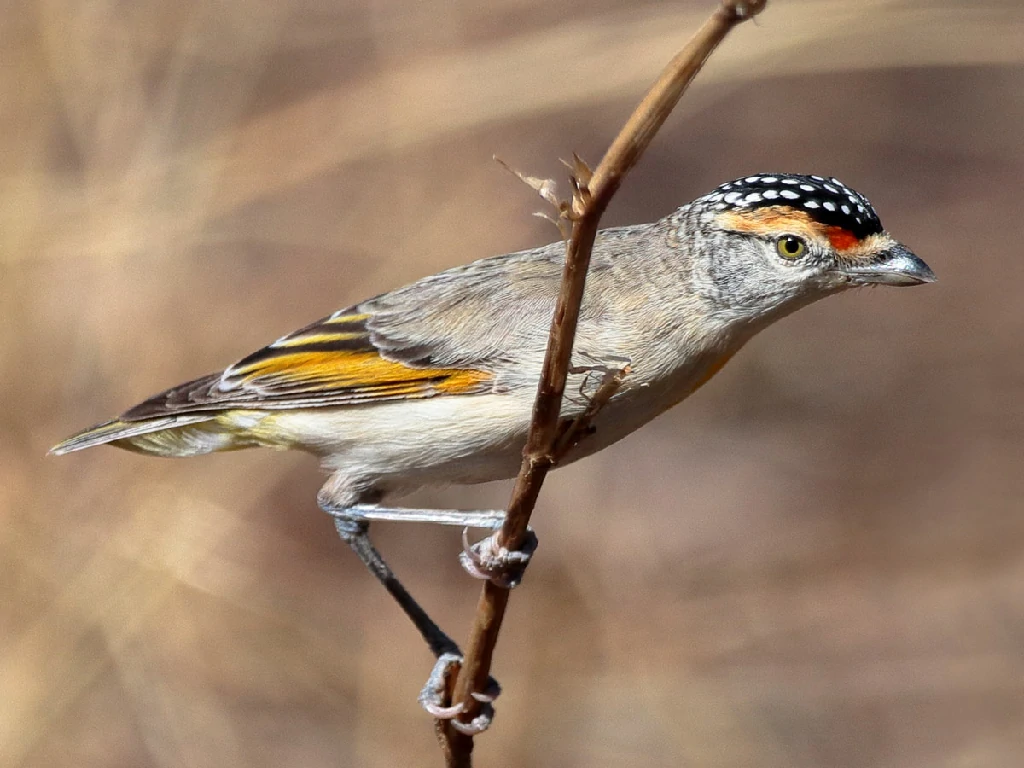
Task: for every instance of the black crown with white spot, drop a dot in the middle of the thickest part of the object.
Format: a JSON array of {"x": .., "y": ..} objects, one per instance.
[{"x": 827, "y": 201}]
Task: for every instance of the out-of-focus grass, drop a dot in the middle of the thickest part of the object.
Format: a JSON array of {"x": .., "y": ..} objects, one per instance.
[{"x": 816, "y": 561}]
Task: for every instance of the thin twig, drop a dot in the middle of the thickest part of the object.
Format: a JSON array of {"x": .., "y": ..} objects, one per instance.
[
  {"x": 572, "y": 432},
  {"x": 590, "y": 199}
]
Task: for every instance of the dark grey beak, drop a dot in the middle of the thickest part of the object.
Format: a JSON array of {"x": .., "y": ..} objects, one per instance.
[{"x": 895, "y": 266}]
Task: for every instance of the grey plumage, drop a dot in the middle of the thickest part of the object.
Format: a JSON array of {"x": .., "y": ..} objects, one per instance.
[{"x": 433, "y": 382}]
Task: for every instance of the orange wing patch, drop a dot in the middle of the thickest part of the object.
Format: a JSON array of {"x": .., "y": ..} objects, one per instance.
[
  {"x": 330, "y": 363},
  {"x": 336, "y": 362},
  {"x": 363, "y": 374}
]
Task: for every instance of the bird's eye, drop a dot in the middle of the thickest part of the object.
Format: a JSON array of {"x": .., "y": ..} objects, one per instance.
[{"x": 790, "y": 247}]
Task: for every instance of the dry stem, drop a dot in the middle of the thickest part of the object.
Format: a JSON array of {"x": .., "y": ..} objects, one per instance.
[{"x": 544, "y": 446}]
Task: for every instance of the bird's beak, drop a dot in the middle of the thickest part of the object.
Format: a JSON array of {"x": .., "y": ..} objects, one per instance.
[{"x": 896, "y": 265}]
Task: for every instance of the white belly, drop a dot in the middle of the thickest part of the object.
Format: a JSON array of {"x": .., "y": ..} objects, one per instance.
[{"x": 399, "y": 446}]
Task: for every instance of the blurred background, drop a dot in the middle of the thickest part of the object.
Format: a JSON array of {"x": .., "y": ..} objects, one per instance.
[{"x": 818, "y": 560}]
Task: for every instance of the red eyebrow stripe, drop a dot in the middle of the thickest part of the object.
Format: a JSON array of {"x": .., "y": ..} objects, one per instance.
[{"x": 842, "y": 239}]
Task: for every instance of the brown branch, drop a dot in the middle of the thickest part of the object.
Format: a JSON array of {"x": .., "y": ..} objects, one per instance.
[{"x": 543, "y": 448}]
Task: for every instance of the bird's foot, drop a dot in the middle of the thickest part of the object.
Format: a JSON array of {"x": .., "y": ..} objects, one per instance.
[
  {"x": 491, "y": 561},
  {"x": 434, "y": 695}
]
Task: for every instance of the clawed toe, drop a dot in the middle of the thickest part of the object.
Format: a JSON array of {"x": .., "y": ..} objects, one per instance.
[
  {"x": 478, "y": 724},
  {"x": 490, "y": 561},
  {"x": 440, "y": 712},
  {"x": 432, "y": 697}
]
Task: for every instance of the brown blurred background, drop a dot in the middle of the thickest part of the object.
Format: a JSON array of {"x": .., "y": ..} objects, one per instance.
[{"x": 816, "y": 561}]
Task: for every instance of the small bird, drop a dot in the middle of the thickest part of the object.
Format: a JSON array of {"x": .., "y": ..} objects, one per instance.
[{"x": 433, "y": 383}]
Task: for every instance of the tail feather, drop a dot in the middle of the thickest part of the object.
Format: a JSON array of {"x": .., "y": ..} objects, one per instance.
[{"x": 123, "y": 432}]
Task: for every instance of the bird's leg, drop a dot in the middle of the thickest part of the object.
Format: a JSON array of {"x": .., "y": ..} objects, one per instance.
[
  {"x": 484, "y": 560},
  {"x": 353, "y": 524},
  {"x": 356, "y": 533}
]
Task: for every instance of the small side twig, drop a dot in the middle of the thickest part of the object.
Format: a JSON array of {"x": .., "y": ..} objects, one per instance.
[
  {"x": 547, "y": 442},
  {"x": 572, "y": 432}
]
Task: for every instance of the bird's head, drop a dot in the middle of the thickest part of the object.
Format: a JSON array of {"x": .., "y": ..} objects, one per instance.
[{"x": 767, "y": 244}]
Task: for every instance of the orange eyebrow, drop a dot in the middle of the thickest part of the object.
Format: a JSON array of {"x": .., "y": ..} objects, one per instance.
[{"x": 772, "y": 220}]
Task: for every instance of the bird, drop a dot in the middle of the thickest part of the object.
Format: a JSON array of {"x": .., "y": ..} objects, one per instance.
[{"x": 433, "y": 383}]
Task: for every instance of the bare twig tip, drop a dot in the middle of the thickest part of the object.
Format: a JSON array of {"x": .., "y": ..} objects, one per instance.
[
  {"x": 546, "y": 188},
  {"x": 581, "y": 170}
]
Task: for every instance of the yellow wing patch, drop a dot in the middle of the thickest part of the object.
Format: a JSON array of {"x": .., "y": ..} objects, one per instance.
[
  {"x": 318, "y": 338},
  {"x": 358, "y": 317}
]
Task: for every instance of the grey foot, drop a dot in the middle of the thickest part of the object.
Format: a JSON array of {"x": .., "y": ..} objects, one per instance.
[
  {"x": 432, "y": 697},
  {"x": 501, "y": 566}
]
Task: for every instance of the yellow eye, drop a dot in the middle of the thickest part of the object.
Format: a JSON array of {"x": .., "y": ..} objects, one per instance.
[{"x": 790, "y": 247}]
